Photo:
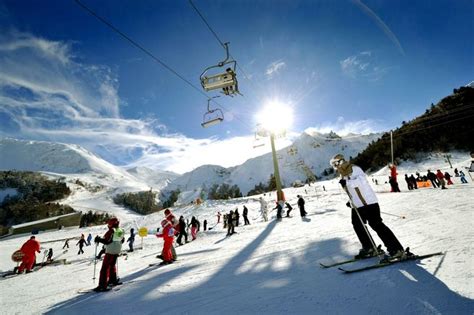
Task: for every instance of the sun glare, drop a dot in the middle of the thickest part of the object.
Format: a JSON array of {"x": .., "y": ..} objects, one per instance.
[{"x": 275, "y": 117}]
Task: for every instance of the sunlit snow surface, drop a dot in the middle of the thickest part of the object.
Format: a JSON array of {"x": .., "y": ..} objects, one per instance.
[{"x": 269, "y": 267}]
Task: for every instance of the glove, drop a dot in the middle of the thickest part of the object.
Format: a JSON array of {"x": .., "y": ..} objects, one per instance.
[
  {"x": 343, "y": 183},
  {"x": 97, "y": 239},
  {"x": 348, "y": 205}
]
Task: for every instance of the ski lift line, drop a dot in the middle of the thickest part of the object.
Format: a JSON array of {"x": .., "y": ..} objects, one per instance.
[
  {"x": 137, "y": 45},
  {"x": 441, "y": 114},
  {"x": 207, "y": 24},
  {"x": 454, "y": 113},
  {"x": 148, "y": 53}
]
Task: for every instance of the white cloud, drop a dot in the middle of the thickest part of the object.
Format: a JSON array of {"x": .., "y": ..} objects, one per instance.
[
  {"x": 45, "y": 94},
  {"x": 343, "y": 127},
  {"x": 364, "y": 66},
  {"x": 274, "y": 68}
]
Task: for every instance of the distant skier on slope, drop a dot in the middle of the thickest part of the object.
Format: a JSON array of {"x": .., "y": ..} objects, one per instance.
[
  {"x": 182, "y": 231},
  {"x": 289, "y": 207},
  {"x": 263, "y": 209},
  {"x": 112, "y": 240},
  {"x": 303, "y": 212},
  {"x": 354, "y": 181},
  {"x": 245, "y": 214},
  {"x": 81, "y": 244},
  {"x": 131, "y": 240},
  {"x": 279, "y": 209}
]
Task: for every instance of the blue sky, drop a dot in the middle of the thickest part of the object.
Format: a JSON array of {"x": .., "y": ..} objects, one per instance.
[{"x": 348, "y": 66}]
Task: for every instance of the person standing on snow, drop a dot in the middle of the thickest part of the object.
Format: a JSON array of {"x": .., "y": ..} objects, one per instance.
[
  {"x": 289, "y": 207},
  {"x": 81, "y": 244},
  {"x": 175, "y": 225},
  {"x": 29, "y": 250},
  {"x": 131, "y": 240},
  {"x": 448, "y": 178},
  {"x": 194, "y": 227},
  {"x": 245, "y": 214},
  {"x": 432, "y": 177},
  {"x": 89, "y": 239},
  {"x": 182, "y": 231},
  {"x": 263, "y": 209},
  {"x": 440, "y": 177},
  {"x": 230, "y": 223},
  {"x": 112, "y": 241},
  {"x": 303, "y": 212},
  {"x": 168, "y": 238},
  {"x": 463, "y": 177},
  {"x": 66, "y": 243},
  {"x": 393, "y": 178},
  {"x": 279, "y": 209},
  {"x": 354, "y": 181},
  {"x": 237, "y": 216}
]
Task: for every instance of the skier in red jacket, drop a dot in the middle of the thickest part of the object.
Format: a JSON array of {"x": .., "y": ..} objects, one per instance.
[
  {"x": 168, "y": 238},
  {"x": 29, "y": 250}
]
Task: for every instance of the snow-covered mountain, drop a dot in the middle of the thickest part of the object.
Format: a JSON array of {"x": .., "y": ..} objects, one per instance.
[
  {"x": 156, "y": 179},
  {"x": 51, "y": 157},
  {"x": 308, "y": 155}
]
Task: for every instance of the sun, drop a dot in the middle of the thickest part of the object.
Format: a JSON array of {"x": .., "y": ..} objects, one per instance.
[{"x": 275, "y": 117}]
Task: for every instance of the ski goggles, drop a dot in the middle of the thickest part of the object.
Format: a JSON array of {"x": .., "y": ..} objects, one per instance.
[{"x": 336, "y": 163}]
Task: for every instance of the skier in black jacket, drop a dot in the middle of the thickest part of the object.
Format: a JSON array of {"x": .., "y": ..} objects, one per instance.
[
  {"x": 303, "y": 212},
  {"x": 182, "y": 231},
  {"x": 245, "y": 213}
]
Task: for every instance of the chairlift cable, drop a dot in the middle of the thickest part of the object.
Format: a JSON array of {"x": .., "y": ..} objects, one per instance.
[
  {"x": 137, "y": 45},
  {"x": 147, "y": 52}
]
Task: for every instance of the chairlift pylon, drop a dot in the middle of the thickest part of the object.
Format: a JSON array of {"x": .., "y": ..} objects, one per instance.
[
  {"x": 227, "y": 81},
  {"x": 212, "y": 116}
]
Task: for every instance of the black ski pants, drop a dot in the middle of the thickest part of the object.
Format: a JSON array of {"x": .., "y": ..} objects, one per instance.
[
  {"x": 246, "y": 220},
  {"x": 371, "y": 214}
]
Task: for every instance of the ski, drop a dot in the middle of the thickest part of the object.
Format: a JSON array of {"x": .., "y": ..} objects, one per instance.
[
  {"x": 343, "y": 262},
  {"x": 390, "y": 262}
]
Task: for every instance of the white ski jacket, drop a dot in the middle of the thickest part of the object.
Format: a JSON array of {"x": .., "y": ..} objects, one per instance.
[{"x": 359, "y": 188}]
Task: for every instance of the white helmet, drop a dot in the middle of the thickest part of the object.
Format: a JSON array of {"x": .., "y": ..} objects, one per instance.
[{"x": 337, "y": 160}]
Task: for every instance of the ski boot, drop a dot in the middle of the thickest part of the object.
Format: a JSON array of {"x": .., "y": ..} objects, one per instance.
[{"x": 367, "y": 253}]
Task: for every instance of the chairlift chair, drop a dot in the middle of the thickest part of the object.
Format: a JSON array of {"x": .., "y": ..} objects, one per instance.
[
  {"x": 212, "y": 116},
  {"x": 227, "y": 81}
]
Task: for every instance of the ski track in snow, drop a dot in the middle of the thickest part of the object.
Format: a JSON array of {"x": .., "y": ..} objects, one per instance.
[{"x": 268, "y": 267}]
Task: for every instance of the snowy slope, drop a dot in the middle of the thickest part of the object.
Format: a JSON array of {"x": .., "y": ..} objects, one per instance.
[
  {"x": 270, "y": 267},
  {"x": 156, "y": 179}
]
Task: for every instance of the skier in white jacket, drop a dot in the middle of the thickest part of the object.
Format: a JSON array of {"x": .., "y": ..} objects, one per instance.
[{"x": 355, "y": 182}]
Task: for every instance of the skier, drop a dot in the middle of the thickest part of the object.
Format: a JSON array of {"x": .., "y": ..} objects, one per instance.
[
  {"x": 447, "y": 176},
  {"x": 456, "y": 172},
  {"x": 441, "y": 181},
  {"x": 289, "y": 207},
  {"x": 81, "y": 244},
  {"x": 237, "y": 216},
  {"x": 89, "y": 239},
  {"x": 245, "y": 214},
  {"x": 303, "y": 212},
  {"x": 205, "y": 225},
  {"x": 463, "y": 177},
  {"x": 66, "y": 243},
  {"x": 230, "y": 223},
  {"x": 174, "y": 224},
  {"x": 29, "y": 250},
  {"x": 263, "y": 209},
  {"x": 194, "y": 227},
  {"x": 393, "y": 178},
  {"x": 354, "y": 182},
  {"x": 432, "y": 177},
  {"x": 279, "y": 209},
  {"x": 409, "y": 183},
  {"x": 112, "y": 240},
  {"x": 218, "y": 217},
  {"x": 131, "y": 240},
  {"x": 182, "y": 231},
  {"x": 49, "y": 257},
  {"x": 168, "y": 238}
]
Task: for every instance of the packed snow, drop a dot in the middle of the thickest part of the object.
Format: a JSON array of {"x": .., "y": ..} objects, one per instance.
[{"x": 269, "y": 267}]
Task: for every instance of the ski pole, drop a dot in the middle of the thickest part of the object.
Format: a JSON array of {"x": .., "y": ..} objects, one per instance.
[
  {"x": 361, "y": 221},
  {"x": 394, "y": 215},
  {"x": 95, "y": 260}
]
